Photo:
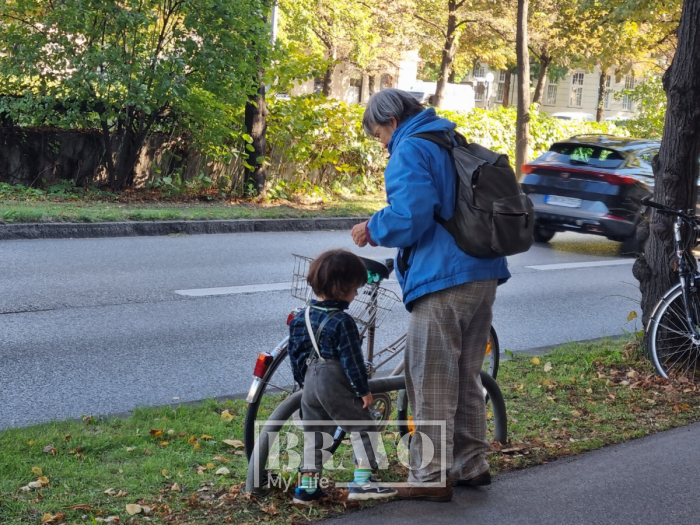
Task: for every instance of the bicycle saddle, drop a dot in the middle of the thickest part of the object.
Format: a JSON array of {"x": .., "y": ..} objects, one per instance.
[{"x": 381, "y": 268}]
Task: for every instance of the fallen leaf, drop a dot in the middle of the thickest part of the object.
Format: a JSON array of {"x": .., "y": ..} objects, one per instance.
[
  {"x": 205, "y": 437},
  {"x": 547, "y": 366},
  {"x": 67, "y": 437},
  {"x": 31, "y": 443},
  {"x": 129, "y": 449},
  {"x": 632, "y": 315},
  {"x": 80, "y": 507},
  {"x": 270, "y": 509},
  {"x": 110, "y": 492},
  {"x": 220, "y": 458},
  {"x": 210, "y": 465},
  {"x": 49, "y": 449},
  {"x": 37, "y": 471},
  {"x": 134, "y": 508},
  {"x": 171, "y": 432},
  {"x": 196, "y": 446},
  {"x": 226, "y": 415},
  {"x": 156, "y": 433},
  {"x": 164, "y": 443},
  {"x": 223, "y": 471},
  {"x": 165, "y": 473},
  {"x": 43, "y": 480},
  {"x": 576, "y": 413},
  {"x": 234, "y": 442},
  {"x": 34, "y": 485},
  {"x": 147, "y": 452},
  {"x": 108, "y": 519},
  {"x": 192, "y": 440},
  {"x": 489, "y": 415},
  {"x": 535, "y": 360},
  {"x": 589, "y": 391},
  {"x": 175, "y": 487},
  {"x": 48, "y": 518},
  {"x": 632, "y": 373},
  {"x": 239, "y": 452}
]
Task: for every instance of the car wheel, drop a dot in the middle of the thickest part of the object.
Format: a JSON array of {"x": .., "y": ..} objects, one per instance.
[{"x": 542, "y": 234}]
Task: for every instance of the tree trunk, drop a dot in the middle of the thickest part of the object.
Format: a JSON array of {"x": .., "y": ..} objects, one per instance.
[
  {"x": 545, "y": 61},
  {"x": 256, "y": 126},
  {"x": 522, "y": 124},
  {"x": 676, "y": 166},
  {"x": 328, "y": 76},
  {"x": 506, "y": 88},
  {"x": 452, "y": 77},
  {"x": 602, "y": 91},
  {"x": 448, "y": 54}
]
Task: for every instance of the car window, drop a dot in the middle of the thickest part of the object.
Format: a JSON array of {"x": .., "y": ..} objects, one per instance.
[
  {"x": 647, "y": 155},
  {"x": 584, "y": 154}
]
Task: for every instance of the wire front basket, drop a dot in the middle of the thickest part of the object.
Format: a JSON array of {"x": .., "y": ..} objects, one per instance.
[{"x": 372, "y": 304}]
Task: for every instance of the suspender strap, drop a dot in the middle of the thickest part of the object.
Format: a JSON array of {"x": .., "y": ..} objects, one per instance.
[{"x": 314, "y": 338}]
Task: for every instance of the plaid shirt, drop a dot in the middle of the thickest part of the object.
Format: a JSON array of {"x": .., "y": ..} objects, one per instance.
[{"x": 340, "y": 340}]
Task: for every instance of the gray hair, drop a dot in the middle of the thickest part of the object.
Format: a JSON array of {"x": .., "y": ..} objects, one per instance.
[{"x": 389, "y": 103}]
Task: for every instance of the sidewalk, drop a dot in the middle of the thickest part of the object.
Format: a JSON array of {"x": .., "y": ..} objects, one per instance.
[{"x": 653, "y": 480}]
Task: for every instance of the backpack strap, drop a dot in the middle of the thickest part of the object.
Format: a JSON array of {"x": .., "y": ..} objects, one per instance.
[
  {"x": 314, "y": 338},
  {"x": 445, "y": 140}
]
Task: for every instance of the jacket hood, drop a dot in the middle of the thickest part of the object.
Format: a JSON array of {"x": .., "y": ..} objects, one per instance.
[{"x": 426, "y": 121}]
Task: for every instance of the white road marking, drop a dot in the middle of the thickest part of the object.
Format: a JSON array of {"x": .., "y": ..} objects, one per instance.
[
  {"x": 590, "y": 264},
  {"x": 251, "y": 288}
]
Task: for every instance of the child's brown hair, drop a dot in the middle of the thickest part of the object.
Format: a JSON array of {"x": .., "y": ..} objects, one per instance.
[{"x": 336, "y": 273}]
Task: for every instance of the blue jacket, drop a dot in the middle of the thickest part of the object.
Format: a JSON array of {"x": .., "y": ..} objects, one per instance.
[{"x": 420, "y": 181}]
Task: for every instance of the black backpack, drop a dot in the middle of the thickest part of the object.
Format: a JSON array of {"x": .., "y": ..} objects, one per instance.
[{"x": 492, "y": 217}]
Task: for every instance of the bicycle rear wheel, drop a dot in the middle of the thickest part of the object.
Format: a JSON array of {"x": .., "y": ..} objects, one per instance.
[{"x": 673, "y": 346}]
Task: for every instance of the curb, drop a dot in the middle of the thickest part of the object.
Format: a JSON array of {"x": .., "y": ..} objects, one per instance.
[{"x": 74, "y": 230}]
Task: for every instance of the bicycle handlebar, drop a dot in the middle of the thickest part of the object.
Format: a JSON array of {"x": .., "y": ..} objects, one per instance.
[{"x": 646, "y": 201}]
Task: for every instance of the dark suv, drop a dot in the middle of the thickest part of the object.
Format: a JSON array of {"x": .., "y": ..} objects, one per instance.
[{"x": 591, "y": 184}]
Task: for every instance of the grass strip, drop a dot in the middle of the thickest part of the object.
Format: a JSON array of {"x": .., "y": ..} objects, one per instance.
[
  {"x": 185, "y": 465},
  {"x": 13, "y": 211}
]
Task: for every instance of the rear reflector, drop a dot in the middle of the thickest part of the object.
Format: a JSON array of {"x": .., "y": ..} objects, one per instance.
[
  {"x": 264, "y": 360},
  {"x": 527, "y": 168}
]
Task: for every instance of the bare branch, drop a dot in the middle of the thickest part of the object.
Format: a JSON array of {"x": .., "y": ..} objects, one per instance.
[{"x": 433, "y": 24}]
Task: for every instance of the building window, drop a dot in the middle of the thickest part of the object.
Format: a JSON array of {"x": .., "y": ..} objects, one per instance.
[
  {"x": 576, "y": 90},
  {"x": 626, "y": 100},
  {"x": 318, "y": 85},
  {"x": 551, "y": 98},
  {"x": 501, "y": 86},
  {"x": 480, "y": 71},
  {"x": 607, "y": 92},
  {"x": 354, "y": 93},
  {"x": 479, "y": 91}
]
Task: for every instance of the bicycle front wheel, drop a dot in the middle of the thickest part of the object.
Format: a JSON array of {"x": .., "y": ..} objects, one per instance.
[
  {"x": 673, "y": 346},
  {"x": 493, "y": 354}
]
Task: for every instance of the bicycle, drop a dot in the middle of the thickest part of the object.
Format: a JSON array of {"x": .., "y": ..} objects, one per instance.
[
  {"x": 674, "y": 327},
  {"x": 273, "y": 374}
]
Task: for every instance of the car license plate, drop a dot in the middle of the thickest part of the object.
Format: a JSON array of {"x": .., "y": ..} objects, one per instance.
[{"x": 569, "y": 202}]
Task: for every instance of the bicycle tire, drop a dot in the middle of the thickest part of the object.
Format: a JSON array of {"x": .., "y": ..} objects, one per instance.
[
  {"x": 495, "y": 354},
  {"x": 251, "y": 415},
  {"x": 674, "y": 350},
  {"x": 492, "y": 394}
]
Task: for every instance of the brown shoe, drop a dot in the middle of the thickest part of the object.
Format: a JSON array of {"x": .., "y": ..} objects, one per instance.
[
  {"x": 481, "y": 480},
  {"x": 425, "y": 493}
]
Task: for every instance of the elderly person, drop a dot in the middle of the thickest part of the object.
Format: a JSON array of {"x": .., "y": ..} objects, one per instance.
[{"x": 448, "y": 293}]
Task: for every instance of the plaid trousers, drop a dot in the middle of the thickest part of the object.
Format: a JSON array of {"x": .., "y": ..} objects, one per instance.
[{"x": 447, "y": 335}]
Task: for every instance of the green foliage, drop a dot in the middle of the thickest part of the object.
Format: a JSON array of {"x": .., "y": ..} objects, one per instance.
[
  {"x": 318, "y": 144},
  {"x": 62, "y": 189},
  {"x": 650, "y": 99},
  {"x": 495, "y": 129},
  {"x": 132, "y": 67}
]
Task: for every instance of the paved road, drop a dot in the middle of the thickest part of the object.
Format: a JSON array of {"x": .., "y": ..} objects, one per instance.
[
  {"x": 648, "y": 481},
  {"x": 96, "y": 325}
]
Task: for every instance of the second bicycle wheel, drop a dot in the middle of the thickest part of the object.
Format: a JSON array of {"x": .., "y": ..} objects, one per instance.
[{"x": 673, "y": 346}]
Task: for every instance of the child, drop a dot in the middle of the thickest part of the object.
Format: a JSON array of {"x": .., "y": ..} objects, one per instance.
[{"x": 330, "y": 367}]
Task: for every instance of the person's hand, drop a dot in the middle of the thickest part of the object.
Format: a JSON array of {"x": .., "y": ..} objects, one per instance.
[
  {"x": 359, "y": 234},
  {"x": 367, "y": 400}
]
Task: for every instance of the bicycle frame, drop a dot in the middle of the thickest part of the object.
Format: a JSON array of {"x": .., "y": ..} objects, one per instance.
[{"x": 687, "y": 273}]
